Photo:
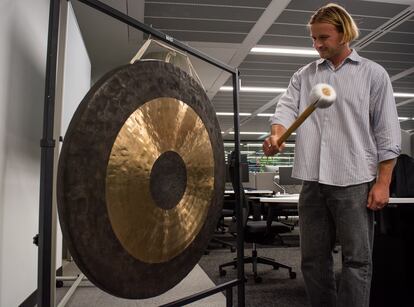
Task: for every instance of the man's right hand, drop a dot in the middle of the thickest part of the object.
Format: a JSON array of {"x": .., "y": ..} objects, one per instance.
[{"x": 270, "y": 146}]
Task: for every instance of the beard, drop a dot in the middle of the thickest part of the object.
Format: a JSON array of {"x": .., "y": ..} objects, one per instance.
[
  {"x": 330, "y": 52},
  {"x": 326, "y": 53}
]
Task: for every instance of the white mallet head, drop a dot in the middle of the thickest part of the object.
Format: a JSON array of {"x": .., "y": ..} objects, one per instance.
[{"x": 322, "y": 95}]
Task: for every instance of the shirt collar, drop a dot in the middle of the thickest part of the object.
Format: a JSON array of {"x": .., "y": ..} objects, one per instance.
[{"x": 353, "y": 56}]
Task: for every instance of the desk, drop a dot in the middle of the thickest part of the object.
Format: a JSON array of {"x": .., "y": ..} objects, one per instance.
[
  {"x": 281, "y": 199},
  {"x": 252, "y": 192},
  {"x": 294, "y": 199}
]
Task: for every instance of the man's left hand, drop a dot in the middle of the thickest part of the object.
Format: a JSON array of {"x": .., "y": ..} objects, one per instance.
[{"x": 378, "y": 197}]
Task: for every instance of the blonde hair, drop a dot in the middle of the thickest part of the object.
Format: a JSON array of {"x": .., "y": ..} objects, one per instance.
[{"x": 336, "y": 15}]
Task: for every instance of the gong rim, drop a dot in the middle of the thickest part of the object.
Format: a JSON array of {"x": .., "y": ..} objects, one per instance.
[{"x": 82, "y": 172}]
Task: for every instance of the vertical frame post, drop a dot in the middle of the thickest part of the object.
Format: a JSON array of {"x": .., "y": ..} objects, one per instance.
[
  {"x": 45, "y": 276},
  {"x": 237, "y": 191}
]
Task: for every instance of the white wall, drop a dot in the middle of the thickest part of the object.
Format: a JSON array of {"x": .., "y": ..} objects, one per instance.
[
  {"x": 77, "y": 70},
  {"x": 75, "y": 80},
  {"x": 23, "y": 43}
]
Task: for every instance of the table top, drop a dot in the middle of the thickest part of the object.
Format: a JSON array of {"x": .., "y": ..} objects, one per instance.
[
  {"x": 251, "y": 192},
  {"x": 284, "y": 198},
  {"x": 401, "y": 200},
  {"x": 294, "y": 198}
]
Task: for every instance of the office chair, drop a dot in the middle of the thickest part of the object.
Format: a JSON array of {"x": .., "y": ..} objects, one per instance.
[
  {"x": 221, "y": 229},
  {"x": 258, "y": 232}
]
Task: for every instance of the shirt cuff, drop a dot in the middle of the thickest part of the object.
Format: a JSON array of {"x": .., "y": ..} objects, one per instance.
[
  {"x": 280, "y": 121},
  {"x": 388, "y": 154}
]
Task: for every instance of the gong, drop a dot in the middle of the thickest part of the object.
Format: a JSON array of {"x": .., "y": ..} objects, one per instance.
[{"x": 141, "y": 179}]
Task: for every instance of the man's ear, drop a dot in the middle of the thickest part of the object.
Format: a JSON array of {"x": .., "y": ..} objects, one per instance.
[{"x": 343, "y": 42}]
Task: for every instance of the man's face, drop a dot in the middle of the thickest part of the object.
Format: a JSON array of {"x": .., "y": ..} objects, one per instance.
[{"x": 327, "y": 40}]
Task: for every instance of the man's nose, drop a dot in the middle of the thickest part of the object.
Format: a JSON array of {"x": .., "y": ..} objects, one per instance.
[{"x": 317, "y": 44}]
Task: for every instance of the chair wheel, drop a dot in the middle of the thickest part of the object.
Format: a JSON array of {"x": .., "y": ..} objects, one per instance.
[
  {"x": 59, "y": 283},
  {"x": 292, "y": 275},
  {"x": 222, "y": 272},
  {"x": 257, "y": 279}
]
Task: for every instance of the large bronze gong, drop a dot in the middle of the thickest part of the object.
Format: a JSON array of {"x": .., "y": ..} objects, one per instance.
[{"x": 140, "y": 179}]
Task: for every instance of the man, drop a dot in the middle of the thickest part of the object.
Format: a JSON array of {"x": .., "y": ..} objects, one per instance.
[{"x": 345, "y": 156}]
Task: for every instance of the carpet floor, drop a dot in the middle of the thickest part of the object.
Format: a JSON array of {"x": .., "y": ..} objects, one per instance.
[{"x": 276, "y": 288}]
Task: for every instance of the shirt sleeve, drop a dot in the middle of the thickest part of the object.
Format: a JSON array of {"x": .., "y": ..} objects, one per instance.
[
  {"x": 384, "y": 117},
  {"x": 288, "y": 106}
]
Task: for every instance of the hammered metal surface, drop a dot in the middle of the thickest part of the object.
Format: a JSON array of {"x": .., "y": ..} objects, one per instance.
[
  {"x": 148, "y": 232},
  {"x": 84, "y": 182}
]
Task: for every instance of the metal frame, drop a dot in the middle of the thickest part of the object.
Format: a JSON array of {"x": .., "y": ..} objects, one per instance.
[{"x": 47, "y": 145}]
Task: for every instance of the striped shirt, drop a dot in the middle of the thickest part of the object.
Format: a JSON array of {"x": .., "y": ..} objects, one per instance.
[{"x": 343, "y": 144}]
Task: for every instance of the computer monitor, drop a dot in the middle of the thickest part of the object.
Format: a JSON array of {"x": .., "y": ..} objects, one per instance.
[
  {"x": 244, "y": 166},
  {"x": 285, "y": 176}
]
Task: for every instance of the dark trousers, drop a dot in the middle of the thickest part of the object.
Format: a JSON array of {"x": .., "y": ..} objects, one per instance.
[{"x": 326, "y": 212}]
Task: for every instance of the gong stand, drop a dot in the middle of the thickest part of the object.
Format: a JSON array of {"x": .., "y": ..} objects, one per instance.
[{"x": 47, "y": 144}]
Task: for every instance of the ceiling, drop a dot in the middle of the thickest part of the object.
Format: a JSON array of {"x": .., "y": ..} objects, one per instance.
[{"x": 228, "y": 29}]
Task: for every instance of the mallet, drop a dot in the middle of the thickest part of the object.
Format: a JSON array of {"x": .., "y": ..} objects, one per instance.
[{"x": 321, "y": 96}]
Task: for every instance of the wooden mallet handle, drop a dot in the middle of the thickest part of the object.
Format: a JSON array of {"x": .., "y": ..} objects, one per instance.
[
  {"x": 321, "y": 96},
  {"x": 305, "y": 114}
]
